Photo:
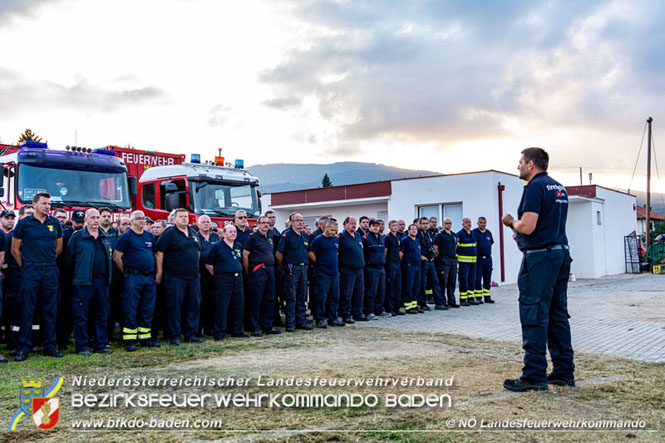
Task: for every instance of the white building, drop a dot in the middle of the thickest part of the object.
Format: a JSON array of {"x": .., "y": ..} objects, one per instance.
[{"x": 487, "y": 193}]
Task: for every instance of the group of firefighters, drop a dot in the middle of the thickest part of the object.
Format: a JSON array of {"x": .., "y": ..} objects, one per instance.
[{"x": 190, "y": 281}]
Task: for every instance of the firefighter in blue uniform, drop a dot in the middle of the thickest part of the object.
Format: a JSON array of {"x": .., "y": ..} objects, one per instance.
[
  {"x": 89, "y": 260},
  {"x": 177, "y": 255},
  {"x": 393, "y": 271},
  {"x": 134, "y": 257},
  {"x": 411, "y": 257},
  {"x": 485, "y": 241},
  {"x": 428, "y": 272},
  {"x": 279, "y": 284},
  {"x": 351, "y": 276},
  {"x": 466, "y": 257},
  {"x": 445, "y": 244},
  {"x": 10, "y": 284},
  {"x": 292, "y": 257},
  {"x": 3, "y": 247},
  {"x": 36, "y": 243},
  {"x": 224, "y": 263},
  {"x": 321, "y": 224},
  {"x": 374, "y": 246},
  {"x": 323, "y": 252},
  {"x": 543, "y": 277},
  {"x": 240, "y": 222},
  {"x": 207, "y": 238},
  {"x": 258, "y": 262}
]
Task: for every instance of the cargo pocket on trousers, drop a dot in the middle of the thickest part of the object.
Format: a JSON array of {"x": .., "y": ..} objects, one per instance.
[{"x": 529, "y": 313}]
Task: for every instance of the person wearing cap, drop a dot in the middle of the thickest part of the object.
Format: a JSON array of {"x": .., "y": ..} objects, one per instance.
[
  {"x": 89, "y": 259},
  {"x": 36, "y": 244},
  {"x": 64, "y": 322},
  {"x": 374, "y": 248}
]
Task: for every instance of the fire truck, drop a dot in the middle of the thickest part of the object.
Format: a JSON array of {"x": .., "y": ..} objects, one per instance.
[
  {"x": 76, "y": 178},
  {"x": 126, "y": 178}
]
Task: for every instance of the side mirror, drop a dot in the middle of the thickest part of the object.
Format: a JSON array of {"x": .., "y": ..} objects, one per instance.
[
  {"x": 171, "y": 201},
  {"x": 258, "y": 193},
  {"x": 170, "y": 187},
  {"x": 132, "y": 184}
]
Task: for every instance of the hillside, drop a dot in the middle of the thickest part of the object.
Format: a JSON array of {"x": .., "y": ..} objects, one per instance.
[{"x": 290, "y": 176}]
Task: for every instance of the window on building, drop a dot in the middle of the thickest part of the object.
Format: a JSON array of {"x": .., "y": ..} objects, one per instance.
[
  {"x": 454, "y": 212},
  {"x": 599, "y": 219},
  {"x": 429, "y": 211}
]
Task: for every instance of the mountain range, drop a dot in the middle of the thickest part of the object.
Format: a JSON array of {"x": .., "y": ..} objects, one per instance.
[{"x": 291, "y": 176}]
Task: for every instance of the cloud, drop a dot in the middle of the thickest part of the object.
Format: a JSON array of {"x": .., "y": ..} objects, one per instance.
[
  {"x": 283, "y": 103},
  {"x": 14, "y": 8},
  {"x": 20, "y": 93},
  {"x": 445, "y": 71}
]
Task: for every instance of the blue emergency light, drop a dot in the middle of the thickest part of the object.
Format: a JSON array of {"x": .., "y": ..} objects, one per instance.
[
  {"x": 104, "y": 152},
  {"x": 240, "y": 164},
  {"x": 196, "y": 158},
  {"x": 32, "y": 144}
]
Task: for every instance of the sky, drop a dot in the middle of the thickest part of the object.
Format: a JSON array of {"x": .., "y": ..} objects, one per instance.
[{"x": 446, "y": 86}]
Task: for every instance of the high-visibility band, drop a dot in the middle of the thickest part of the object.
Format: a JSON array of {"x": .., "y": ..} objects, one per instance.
[
  {"x": 15, "y": 328},
  {"x": 486, "y": 291},
  {"x": 428, "y": 291},
  {"x": 478, "y": 292},
  {"x": 129, "y": 337},
  {"x": 466, "y": 245},
  {"x": 129, "y": 331},
  {"x": 466, "y": 259},
  {"x": 35, "y": 327},
  {"x": 462, "y": 295},
  {"x": 142, "y": 329},
  {"x": 144, "y": 336}
]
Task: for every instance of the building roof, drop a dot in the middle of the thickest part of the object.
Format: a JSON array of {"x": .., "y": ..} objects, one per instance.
[
  {"x": 642, "y": 214},
  {"x": 590, "y": 190},
  {"x": 351, "y": 192}
]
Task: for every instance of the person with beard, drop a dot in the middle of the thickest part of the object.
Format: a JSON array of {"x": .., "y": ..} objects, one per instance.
[
  {"x": 10, "y": 284},
  {"x": 207, "y": 238}
]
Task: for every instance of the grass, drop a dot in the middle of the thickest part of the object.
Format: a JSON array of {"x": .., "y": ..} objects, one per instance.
[{"x": 635, "y": 391}]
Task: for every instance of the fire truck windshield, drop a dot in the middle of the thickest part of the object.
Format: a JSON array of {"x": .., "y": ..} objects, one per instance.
[
  {"x": 224, "y": 200},
  {"x": 72, "y": 186}
]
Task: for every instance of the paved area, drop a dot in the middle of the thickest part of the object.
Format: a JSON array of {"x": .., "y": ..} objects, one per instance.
[{"x": 622, "y": 315}]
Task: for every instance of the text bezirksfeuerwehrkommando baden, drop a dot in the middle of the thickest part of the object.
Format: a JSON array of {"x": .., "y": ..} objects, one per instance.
[{"x": 231, "y": 381}]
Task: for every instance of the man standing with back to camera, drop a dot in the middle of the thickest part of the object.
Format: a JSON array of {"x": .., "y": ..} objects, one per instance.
[{"x": 540, "y": 232}]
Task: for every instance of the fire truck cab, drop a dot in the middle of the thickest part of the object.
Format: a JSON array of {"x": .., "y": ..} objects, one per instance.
[{"x": 202, "y": 189}]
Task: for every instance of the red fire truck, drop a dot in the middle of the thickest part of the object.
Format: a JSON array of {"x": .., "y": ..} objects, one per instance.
[{"x": 125, "y": 178}]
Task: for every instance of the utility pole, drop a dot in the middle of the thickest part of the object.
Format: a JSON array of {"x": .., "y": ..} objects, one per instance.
[
  {"x": 581, "y": 176},
  {"x": 648, "y": 208}
]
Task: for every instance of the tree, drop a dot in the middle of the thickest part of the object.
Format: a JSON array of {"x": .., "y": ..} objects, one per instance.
[
  {"x": 28, "y": 135},
  {"x": 325, "y": 181}
]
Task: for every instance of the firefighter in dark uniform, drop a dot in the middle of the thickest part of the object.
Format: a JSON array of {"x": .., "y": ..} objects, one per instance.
[
  {"x": 64, "y": 321},
  {"x": 445, "y": 245},
  {"x": 466, "y": 257},
  {"x": 321, "y": 224},
  {"x": 428, "y": 271},
  {"x": 323, "y": 252},
  {"x": 393, "y": 301},
  {"x": 279, "y": 284},
  {"x": 258, "y": 262},
  {"x": 135, "y": 259},
  {"x": 351, "y": 278},
  {"x": 224, "y": 262},
  {"x": 177, "y": 255},
  {"x": 543, "y": 278},
  {"x": 36, "y": 243},
  {"x": 207, "y": 238},
  {"x": 89, "y": 260},
  {"x": 10, "y": 283},
  {"x": 3, "y": 248},
  {"x": 374, "y": 246},
  {"x": 292, "y": 257},
  {"x": 242, "y": 229},
  {"x": 485, "y": 241},
  {"x": 411, "y": 258}
]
